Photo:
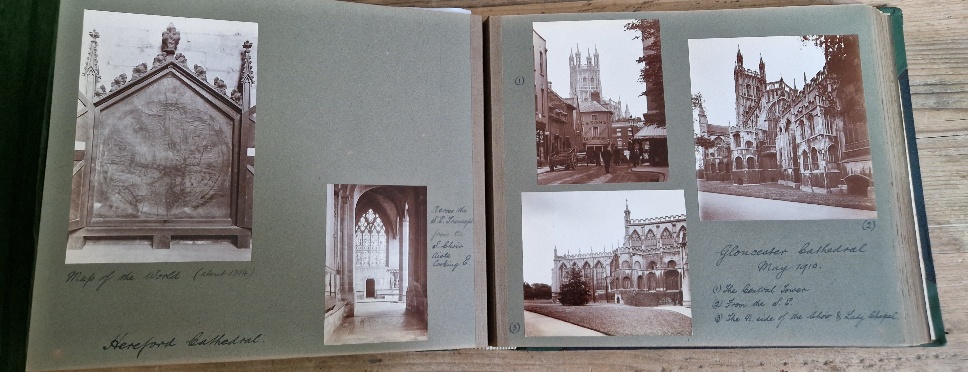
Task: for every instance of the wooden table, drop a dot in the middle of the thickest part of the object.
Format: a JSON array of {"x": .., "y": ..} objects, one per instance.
[{"x": 936, "y": 32}]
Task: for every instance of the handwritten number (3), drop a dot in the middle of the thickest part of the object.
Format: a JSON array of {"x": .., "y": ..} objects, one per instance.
[
  {"x": 519, "y": 80},
  {"x": 868, "y": 225},
  {"x": 515, "y": 327}
]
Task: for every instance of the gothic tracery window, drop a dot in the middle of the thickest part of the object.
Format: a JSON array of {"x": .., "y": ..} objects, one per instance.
[
  {"x": 371, "y": 241},
  {"x": 666, "y": 237}
]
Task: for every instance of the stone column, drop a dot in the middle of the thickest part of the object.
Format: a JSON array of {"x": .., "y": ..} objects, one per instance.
[
  {"x": 346, "y": 224},
  {"x": 404, "y": 253}
]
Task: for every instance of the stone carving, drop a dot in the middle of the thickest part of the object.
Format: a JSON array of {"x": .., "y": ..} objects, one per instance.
[
  {"x": 101, "y": 92},
  {"x": 158, "y": 61},
  {"x": 91, "y": 66},
  {"x": 163, "y": 153},
  {"x": 169, "y": 39},
  {"x": 139, "y": 71},
  {"x": 237, "y": 96},
  {"x": 181, "y": 60},
  {"x": 220, "y": 85},
  {"x": 200, "y": 72},
  {"x": 247, "y": 76},
  {"x": 118, "y": 82}
]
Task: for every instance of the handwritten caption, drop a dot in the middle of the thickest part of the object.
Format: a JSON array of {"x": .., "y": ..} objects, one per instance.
[
  {"x": 122, "y": 342},
  {"x": 96, "y": 281},
  {"x": 776, "y": 298},
  {"x": 447, "y": 242}
]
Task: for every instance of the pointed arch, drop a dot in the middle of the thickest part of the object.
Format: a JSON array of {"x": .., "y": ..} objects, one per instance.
[
  {"x": 667, "y": 239},
  {"x": 650, "y": 240},
  {"x": 672, "y": 280},
  {"x": 370, "y": 241},
  {"x": 599, "y": 276}
]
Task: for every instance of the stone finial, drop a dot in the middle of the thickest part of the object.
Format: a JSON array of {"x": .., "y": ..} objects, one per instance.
[
  {"x": 236, "y": 96},
  {"x": 158, "y": 61},
  {"x": 90, "y": 67},
  {"x": 169, "y": 39},
  {"x": 181, "y": 60},
  {"x": 220, "y": 85},
  {"x": 139, "y": 71},
  {"x": 247, "y": 76},
  {"x": 201, "y": 73},
  {"x": 118, "y": 82}
]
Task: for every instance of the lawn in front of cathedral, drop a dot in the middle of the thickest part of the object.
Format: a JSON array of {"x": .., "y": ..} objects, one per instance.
[{"x": 617, "y": 319}]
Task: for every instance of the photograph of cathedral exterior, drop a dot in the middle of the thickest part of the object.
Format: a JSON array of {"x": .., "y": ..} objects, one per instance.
[
  {"x": 782, "y": 133},
  {"x": 376, "y": 264},
  {"x": 585, "y": 132},
  {"x": 605, "y": 263},
  {"x": 164, "y": 144}
]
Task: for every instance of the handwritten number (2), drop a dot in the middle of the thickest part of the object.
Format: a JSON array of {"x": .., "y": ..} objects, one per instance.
[{"x": 868, "y": 225}]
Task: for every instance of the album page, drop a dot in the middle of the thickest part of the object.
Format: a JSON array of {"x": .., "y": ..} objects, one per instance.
[
  {"x": 709, "y": 178},
  {"x": 241, "y": 180}
]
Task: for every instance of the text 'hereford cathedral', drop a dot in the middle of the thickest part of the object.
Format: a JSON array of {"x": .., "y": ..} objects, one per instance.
[
  {"x": 650, "y": 269},
  {"x": 800, "y": 138}
]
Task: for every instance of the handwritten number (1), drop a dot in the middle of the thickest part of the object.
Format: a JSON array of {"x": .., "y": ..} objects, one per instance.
[
  {"x": 519, "y": 80},
  {"x": 515, "y": 327},
  {"x": 868, "y": 225}
]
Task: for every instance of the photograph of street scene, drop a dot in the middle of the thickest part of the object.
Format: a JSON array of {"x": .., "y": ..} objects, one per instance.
[
  {"x": 599, "y": 102},
  {"x": 605, "y": 263},
  {"x": 783, "y": 134}
]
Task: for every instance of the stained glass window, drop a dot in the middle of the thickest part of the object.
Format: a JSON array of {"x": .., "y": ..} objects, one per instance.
[{"x": 371, "y": 241}]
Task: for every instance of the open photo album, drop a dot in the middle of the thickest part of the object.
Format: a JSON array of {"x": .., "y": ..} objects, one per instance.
[{"x": 734, "y": 178}]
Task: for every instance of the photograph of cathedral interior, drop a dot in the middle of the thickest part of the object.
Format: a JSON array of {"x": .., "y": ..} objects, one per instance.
[
  {"x": 605, "y": 263},
  {"x": 376, "y": 264},
  {"x": 604, "y": 121},
  {"x": 164, "y": 145},
  {"x": 781, "y": 128}
]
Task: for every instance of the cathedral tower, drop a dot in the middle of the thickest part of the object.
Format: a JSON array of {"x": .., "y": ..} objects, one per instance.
[
  {"x": 750, "y": 86},
  {"x": 585, "y": 77}
]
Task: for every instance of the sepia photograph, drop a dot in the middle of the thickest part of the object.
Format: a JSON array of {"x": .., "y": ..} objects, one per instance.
[
  {"x": 164, "y": 142},
  {"x": 782, "y": 133},
  {"x": 605, "y": 263},
  {"x": 376, "y": 264},
  {"x": 599, "y": 102}
]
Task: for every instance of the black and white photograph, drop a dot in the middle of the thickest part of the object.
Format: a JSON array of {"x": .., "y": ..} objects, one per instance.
[
  {"x": 781, "y": 128},
  {"x": 605, "y": 263},
  {"x": 164, "y": 143},
  {"x": 376, "y": 264},
  {"x": 599, "y": 102}
]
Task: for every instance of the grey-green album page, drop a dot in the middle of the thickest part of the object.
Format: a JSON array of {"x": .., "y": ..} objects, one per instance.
[
  {"x": 245, "y": 180},
  {"x": 707, "y": 178}
]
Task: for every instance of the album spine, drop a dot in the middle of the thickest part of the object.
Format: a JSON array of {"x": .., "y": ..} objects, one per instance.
[{"x": 921, "y": 218}]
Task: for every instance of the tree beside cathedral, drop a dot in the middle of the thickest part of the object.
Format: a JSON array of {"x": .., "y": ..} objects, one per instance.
[{"x": 574, "y": 292}]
